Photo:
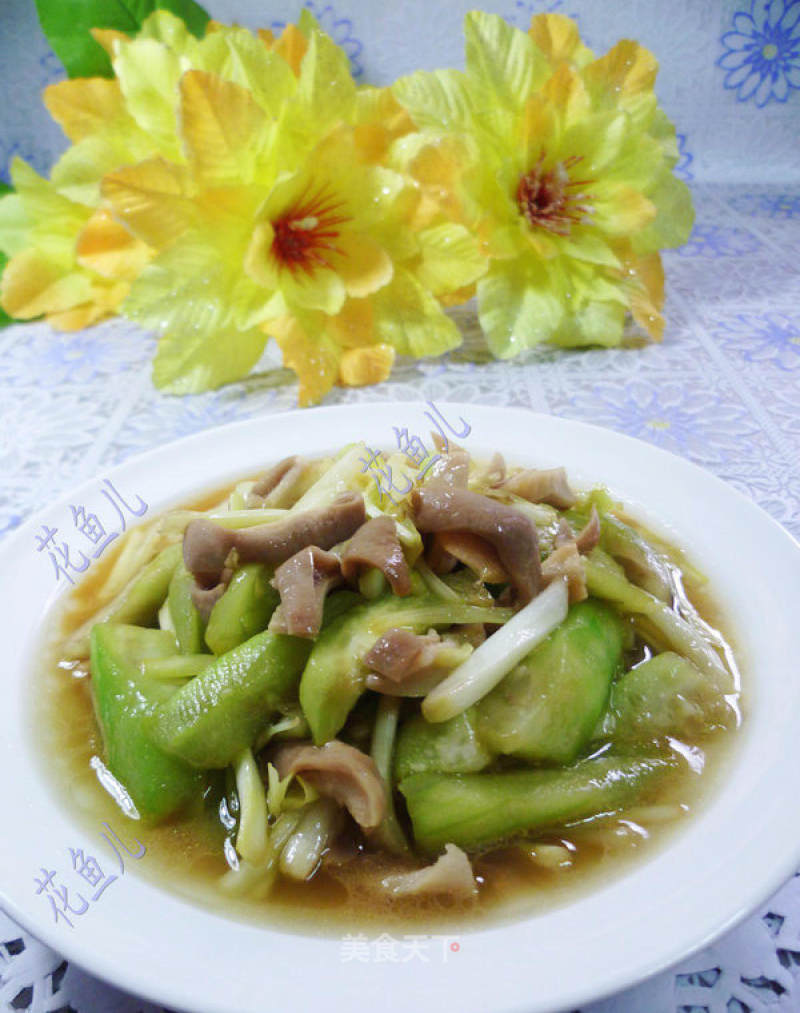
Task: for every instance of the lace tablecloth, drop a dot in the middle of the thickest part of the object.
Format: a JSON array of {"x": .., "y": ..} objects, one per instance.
[{"x": 722, "y": 390}]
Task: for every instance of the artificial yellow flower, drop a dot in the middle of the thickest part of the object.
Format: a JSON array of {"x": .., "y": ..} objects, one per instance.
[
  {"x": 565, "y": 177},
  {"x": 67, "y": 263},
  {"x": 278, "y": 223},
  {"x": 71, "y": 262}
]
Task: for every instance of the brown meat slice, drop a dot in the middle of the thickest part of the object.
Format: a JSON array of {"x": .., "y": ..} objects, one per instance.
[
  {"x": 452, "y": 468},
  {"x": 340, "y": 771},
  {"x": 206, "y": 545},
  {"x": 399, "y": 652},
  {"x": 589, "y": 535},
  {"x": 474, "y": 552},
  {"x": 406, "y": 664},
  {"x": 437, "y": 558},
  {"x": 275, "y": 488},
  {"x": 272, "y": 478},
  {"x": 565, "y": 563},
  {"x": 376, "y": 544},
  {"x": 586, "y": 539},
  {"x": 438, "y": 507},
  {"x": 302, "y": 582},
  {"x": 547, "y": 486},
  {"x": 206, "y": 598}
]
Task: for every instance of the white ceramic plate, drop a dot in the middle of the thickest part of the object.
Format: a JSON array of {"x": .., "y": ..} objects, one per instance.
[{"x": 713, "y": 873}]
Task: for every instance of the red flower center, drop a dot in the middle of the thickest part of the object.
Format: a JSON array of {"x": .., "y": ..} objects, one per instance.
[
  {"x": 551, "y": 200},
  {"x": 306, "y": 234}
]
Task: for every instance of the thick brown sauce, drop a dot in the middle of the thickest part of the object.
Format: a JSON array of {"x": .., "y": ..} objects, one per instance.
[{"x": 187, "y": 856}]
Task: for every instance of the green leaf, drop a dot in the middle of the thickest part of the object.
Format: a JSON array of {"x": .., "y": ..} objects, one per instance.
[
  {"x": 5, "y": 319},
  {"x": 67, "y": 25}
]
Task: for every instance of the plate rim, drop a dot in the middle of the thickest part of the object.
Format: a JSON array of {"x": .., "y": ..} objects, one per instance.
[{"x": 581, "y": 994}]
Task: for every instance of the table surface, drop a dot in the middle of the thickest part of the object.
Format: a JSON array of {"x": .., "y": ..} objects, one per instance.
[{"x": 723, "y": 390}]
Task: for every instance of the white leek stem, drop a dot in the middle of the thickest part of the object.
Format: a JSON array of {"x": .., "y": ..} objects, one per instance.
[
  {"x": 252, "y": 840},
  {"x": 497, "y": 655}
]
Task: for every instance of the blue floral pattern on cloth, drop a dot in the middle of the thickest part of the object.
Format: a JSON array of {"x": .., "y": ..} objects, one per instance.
[
  {"x": 340, "y": 30},
  {"x": 708, "y": 240},
  {"x": 762, "y": 52},
  {"x": 52, "y": 69},
  {"x": 780, "y": 205},
  {"x": 683, "y": 167},
  {"x": 9, "y": 150},
  {"x": 772, "y": 338}
]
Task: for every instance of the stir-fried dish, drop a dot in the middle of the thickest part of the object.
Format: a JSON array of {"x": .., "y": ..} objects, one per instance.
[{"x": 336, "y": 680}]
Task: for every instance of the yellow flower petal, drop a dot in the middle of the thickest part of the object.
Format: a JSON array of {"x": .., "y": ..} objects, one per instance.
[
  {"x": 42, "y": 201},
  {"x": 151, "y": 199},
  {"x": 354, "y": 324},
  {"x": 623, "y": 209},
  {"x": 410, "y": 319},
  {"x": 78, "y": 318},
  {"x": 594, "y": 323},
  {"x": 166, "y": 27},
  {"x": 518, "y": 306},
  {"x": 148, "y": 74},
  {"x": 84, "y": 105},
  {"x": 33, "y": 285},
  {"x": 450, "y": 259},
  {"x": 644, "y": 278},
  {"x": 291, "y": 46},
  {"x": 211, "y": 359},
  {"x": 503, "y": 64},
  {"x": 237, "y": 56},
  {"x": 79, "y": 172},
  {"x": 14, "y": 225},
  {"x": 326, "y": 86},
  {"x": 321, "y": 289},
  {"x": 458, "y": 296},
  {"x": 223, "y": 128},
  {"x": 558, "y": 38},
  {"x": 566, "y": 93},
  {"x": 538, "y": 125},
  {"x": 361, "y": 366},
  {"x": 625, "y": 71},
  {"x": 380, "y": 120},
  {"x": 108, "y": 38},
  {"x": 438, "y": 168},
  {"x": 310, "y": 352},
  {"x": 259, "y": 262},
  {"x": 361, "y": 263},
  {"x": 310, "y": 287},
  {"x": 106, "y": 247},
  {"x": 675, "y": 217},
  {"x": 437, "y": 99}
]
